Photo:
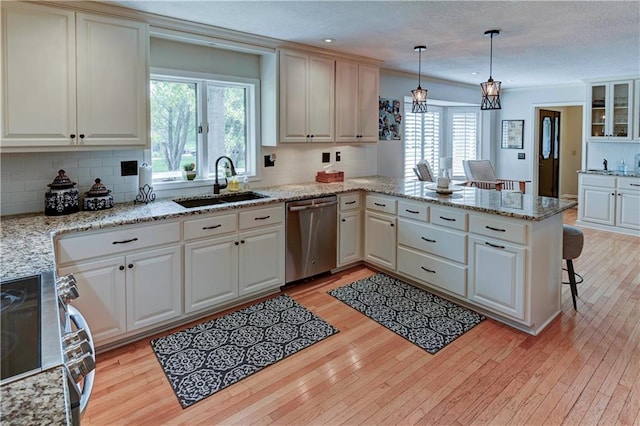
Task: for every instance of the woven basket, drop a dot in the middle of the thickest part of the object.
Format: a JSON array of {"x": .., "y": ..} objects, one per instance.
[{"x": 330, "y": 177}]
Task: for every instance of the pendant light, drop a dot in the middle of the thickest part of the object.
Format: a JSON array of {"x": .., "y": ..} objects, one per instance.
[
  {"x": 419, "y": 95},
  {"x": 490, "y": 88}
]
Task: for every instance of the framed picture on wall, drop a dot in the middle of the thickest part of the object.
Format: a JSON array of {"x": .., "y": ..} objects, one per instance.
[
  {"x": 389, "y": 119},
  {"x": 513, "y": 134}
]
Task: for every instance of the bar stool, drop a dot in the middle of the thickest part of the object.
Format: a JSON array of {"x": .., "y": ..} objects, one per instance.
[{"x": 572, "y": 243}]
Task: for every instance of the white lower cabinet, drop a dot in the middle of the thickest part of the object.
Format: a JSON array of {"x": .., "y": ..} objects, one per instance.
[
  {"x": 497, "y": 275},
  {"x": 349, "y": 237},
  {"x": 125, "y": 293},
  {"x": 349, "y": 229},
  {"x": 210, "y": 272},
  {"x": 609, "y": 202},
  {"x": 232, "y": 255},
  {"x": 380, "y": 241}
]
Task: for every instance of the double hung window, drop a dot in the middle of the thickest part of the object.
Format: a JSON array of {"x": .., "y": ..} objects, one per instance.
[{"x": 195, "y": 119}]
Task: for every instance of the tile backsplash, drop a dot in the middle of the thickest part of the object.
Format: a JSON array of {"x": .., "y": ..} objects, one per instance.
[
  {"x": 613, "y": 152},
  {"x": 24, "y": 177}
]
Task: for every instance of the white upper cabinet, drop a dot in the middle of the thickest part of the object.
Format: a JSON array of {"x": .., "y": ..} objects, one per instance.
[
  {"x": 610, "y": 111},
  {"x": 306, "y": 97},
  {"x": 72, "y": 80},
  {"x": 356, "y": 102}
]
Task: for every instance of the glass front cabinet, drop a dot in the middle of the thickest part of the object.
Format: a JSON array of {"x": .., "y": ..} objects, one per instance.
[{"x": 611, "y": 111}]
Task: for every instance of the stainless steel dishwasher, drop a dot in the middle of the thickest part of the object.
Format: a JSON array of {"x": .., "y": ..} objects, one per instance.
[{"x": 311, "y": 237}]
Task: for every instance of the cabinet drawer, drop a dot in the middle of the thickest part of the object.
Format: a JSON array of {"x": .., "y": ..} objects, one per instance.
[
  {"x": 413, "y": 210},
  {"x": 451, "y": 218},
  {"x": 350, "y": 201},
  {"x": 598, "y": 180},
  {"x": 210, "y": 226},
  {"x": 433, "y": 239},
  {"x": 499, "y": 228},
  {"x": 381, "y": 204},
  {"x": 98, "y": 244},
  {"x": 262, "y": 217},
  {"x": 629, "y": 183},
  {"x": 446, "y": 275}
]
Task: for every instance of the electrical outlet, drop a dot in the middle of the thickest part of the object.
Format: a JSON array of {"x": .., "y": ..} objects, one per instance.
[
  {"x": 521, "y": 156},
  {"x": 128, "y": 168},
  {"x": 268, "y": 161},
  {"x": 326, "y": 157},
  {"x": 338, "y": 157}
]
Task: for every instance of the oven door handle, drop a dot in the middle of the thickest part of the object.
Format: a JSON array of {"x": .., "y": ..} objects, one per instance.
[{"x": 78, "y": 320}]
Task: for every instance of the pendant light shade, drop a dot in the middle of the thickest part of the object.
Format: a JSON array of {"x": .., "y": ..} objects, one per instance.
[
  {"x": 491, "y": 88},
  {"x": 419, "y": 95}
]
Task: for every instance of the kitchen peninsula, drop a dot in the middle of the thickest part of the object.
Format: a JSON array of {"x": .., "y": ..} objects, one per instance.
[{"x": 531, "y": 227}]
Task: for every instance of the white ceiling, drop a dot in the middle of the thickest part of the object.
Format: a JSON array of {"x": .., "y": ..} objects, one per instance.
[{"x": 540, "y": 42}]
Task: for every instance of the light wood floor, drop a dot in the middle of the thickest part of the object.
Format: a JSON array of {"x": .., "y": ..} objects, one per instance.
[{"x": 583, "y": 369}]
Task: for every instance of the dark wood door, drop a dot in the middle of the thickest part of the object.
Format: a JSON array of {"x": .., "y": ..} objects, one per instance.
[{"x": 549, "y": 153}]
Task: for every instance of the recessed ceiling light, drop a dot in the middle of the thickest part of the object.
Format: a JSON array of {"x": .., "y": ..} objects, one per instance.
[
  {"x": 328, "y": 40},
  {"x": 474, "y": 73}
]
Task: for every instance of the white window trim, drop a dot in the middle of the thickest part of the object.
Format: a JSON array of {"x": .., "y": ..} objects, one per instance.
[{"x": 253, "y": 120}]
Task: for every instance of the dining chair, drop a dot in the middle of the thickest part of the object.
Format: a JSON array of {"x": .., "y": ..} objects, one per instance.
[
  {"x": 423, "y": 171},
  {"x": 480, "y": 173}
]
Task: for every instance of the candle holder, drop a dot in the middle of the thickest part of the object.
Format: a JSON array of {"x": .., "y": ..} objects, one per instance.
[{"x": 145, "y": 194}]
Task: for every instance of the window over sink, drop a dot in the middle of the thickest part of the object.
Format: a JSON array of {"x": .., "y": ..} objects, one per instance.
[{"x": 196, "y": 118}]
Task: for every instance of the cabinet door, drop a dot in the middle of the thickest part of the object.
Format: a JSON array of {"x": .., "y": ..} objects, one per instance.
[
  {"x": 497, "y": 276},
  {"x": 368, "y": 87},
  {"x": 39, "y": 76},
  {"x": 349, "y": 237},
  {"x": 320, "y": 109},
  {"x": 112, "y": 63},
  {"x": 628, "y": 209},
  {"x": 154, "y": 287},
  {"x": 611, "y": 109},
  {"x": 380, "y": 240},
  {"x": 597, "y": 205},
  {"x": 102, "y": 299},
  {"x": 293, "y": 96},
  {"x": 261, "y": 260},
  {"x": 210, "y": 273},
  {"x": 347, "y": 101}
]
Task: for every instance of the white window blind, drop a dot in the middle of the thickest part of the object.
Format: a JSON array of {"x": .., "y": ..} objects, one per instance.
[
  {"x": 422, "y": 139},
  {"x": 464, "y": 137}
]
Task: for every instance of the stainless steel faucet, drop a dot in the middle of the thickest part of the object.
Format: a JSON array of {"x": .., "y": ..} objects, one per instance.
[{"x": 216, "y": 185}]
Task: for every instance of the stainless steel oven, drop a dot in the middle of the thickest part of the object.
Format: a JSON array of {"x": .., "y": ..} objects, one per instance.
[{"x": 40, "y": 331}]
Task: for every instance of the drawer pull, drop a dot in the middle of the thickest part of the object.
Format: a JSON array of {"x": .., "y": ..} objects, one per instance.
[
  {"x": 262, "y": 218},
  {"x": 204, "y": 228},
  {"x": 380, "y": 204},
  {"x": 350, "y": 202},
  {"x": 428, "y": 240},
  {"x": 450, "y": 219},
  {"x": 633, "y": 184},
  {"x": 411, "y": 211},
  {"x": 494, "y": 245},
  {"x": 427, "y": 270},
  {"x": 495, "y": 229},
  {"x": 125, "y": 241}
]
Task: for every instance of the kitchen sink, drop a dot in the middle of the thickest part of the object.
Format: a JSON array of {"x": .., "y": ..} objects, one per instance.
[{"x": 220, "y": 199}]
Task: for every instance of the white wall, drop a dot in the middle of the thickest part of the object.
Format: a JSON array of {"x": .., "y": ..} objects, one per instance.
[{"x": 520, "y": 104}]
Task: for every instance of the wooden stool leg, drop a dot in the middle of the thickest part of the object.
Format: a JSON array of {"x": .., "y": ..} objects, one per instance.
[{"x": 572, "y": 282}]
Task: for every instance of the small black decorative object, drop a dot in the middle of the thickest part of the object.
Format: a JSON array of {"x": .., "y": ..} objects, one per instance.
[
  {"x": 61, "y": 198},
  {"x": 98, "y": 197}
]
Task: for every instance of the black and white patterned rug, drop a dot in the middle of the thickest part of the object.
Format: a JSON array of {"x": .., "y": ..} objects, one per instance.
[
  {"x": 423, "y": 318},
  {"x": 204, "y": 359}
]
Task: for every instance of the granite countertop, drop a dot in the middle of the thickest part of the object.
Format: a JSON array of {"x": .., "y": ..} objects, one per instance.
[
  {"x": 36, "y": 400},
  {"x": 628, "y": 173},
  {"x": 27, "y": 245}
]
